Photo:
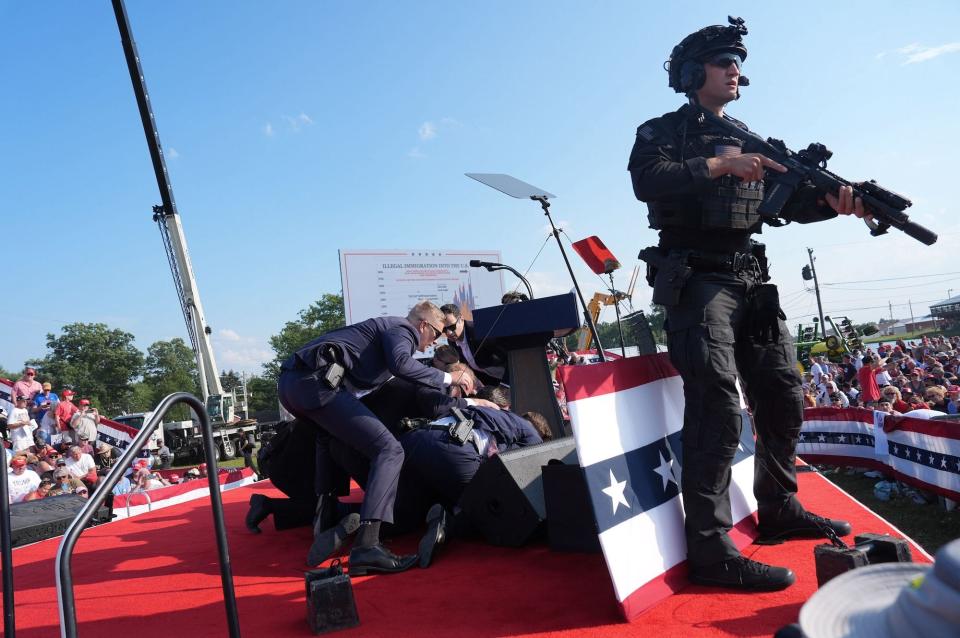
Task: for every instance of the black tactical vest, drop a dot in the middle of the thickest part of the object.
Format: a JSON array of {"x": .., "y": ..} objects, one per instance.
[{"x": 731, "y": 204}]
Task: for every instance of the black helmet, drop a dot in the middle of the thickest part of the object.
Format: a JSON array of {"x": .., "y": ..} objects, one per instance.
[{"x": 685, "y": 66}]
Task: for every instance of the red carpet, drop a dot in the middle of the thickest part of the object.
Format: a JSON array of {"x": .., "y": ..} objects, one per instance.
[{"x": 157, "y": 575}]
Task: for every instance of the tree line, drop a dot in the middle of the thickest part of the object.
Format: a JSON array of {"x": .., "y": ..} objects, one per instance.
[{"x": 104, "y": 364}]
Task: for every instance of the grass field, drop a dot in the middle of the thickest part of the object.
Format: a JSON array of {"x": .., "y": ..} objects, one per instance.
[{"x": 930, "y": 525}]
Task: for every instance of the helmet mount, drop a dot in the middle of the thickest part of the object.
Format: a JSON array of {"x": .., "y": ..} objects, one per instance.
[{"x": 685, "y": 66}]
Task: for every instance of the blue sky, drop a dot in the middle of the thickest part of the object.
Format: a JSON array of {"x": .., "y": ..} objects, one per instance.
[{"x": 294, "y": 129}]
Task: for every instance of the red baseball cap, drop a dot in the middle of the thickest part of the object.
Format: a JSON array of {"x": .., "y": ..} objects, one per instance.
[
  {"x": 18, "y": 461},
  {"x": 84, "y": 401},
  {"x": 68, "y": 393},
  {"x": 954, "y": 388}
]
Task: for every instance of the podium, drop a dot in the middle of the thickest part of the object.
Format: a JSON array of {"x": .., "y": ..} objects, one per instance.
[{"x": 523, "y": 330}]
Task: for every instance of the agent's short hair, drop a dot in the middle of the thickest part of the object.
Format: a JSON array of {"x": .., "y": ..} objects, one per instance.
[
  {"x": 450, "y": 309},
  {"x": 514, "y": 297},
  {"x": 499, "y": 394},
  {"x": 444, "y": 355},
  {"x": 425, "y": 310},
  {"x": 539, "y": 424}
]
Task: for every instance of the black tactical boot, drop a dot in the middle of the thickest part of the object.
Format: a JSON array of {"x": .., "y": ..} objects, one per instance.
[
  {"x": 809, "y": 525},
  {"x": 742, "y": 573}
]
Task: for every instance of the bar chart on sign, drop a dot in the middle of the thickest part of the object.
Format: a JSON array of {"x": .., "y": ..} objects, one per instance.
[{"x": 379, "y": 283}]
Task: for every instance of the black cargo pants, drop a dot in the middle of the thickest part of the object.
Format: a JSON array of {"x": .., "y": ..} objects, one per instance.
[{"x": 709, "y": 346}]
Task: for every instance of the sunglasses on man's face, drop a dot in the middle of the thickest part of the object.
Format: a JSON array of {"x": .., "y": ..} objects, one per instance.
[
  {"x": 724, "y": 60},
  {"x": 452, "y": 328},
  {"x": 436, "y": 331}
]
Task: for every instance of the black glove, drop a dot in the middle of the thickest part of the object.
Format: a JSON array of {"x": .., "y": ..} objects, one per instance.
[{"x": 765, "y": 314}]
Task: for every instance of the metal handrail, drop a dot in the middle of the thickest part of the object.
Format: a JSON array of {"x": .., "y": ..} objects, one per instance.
[
  {"x": 6, "y": 542},
  {"x": 65, "y": 597}
]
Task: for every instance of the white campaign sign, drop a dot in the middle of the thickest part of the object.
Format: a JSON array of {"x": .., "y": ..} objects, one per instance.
[{"x": 379, "y": 283}]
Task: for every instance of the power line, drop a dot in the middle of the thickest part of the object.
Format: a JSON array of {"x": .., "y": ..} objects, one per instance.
[
  {"x": 884, "y": 307},
  {"x": 870, "y": 281}
]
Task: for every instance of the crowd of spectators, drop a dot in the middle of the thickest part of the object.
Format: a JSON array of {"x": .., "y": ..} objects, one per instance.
[
  {"x": 919, "y": 379},
  {"x": 916, "y": 379},
  {"x": 51, "y": 446}
]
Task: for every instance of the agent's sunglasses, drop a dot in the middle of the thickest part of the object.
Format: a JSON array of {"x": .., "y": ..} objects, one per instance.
[
  {"x": 723, "y": 60},
  {"x": 436, "y": 331},
  {"x": 452, "y": 328}
]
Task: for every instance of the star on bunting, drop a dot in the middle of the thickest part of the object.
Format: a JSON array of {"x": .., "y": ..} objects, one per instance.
[
  {"x": 615, "y": 492},
  {"x": 665, "y": 470}
]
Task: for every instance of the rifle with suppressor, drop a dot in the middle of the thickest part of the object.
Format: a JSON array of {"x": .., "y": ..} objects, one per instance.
[{"x": 809, "y": 168}]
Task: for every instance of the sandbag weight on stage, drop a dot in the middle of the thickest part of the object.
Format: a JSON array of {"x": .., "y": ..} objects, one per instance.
[
  {"x": 868, "y": 549},
  {"x": 505, "y": 499},
  {"x": 34, "y": 521},
  {"x": 330, "y": 601}
]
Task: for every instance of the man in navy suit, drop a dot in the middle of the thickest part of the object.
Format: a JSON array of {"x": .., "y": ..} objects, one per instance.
[
  {"x": 438, "y": 468},
  {"x": 322, "y": 383},
  {"x": 487, "y": 361}
]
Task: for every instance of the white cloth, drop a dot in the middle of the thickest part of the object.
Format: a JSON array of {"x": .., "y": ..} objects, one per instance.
[
  {"x": 21, "y": 438},
  {"x": 882, "y": 378},
  {"x": 924, "y": 414},
  {"x": 81, "y": 467},
  {"x": 816, "y": 370},
  {"x": 85, "y": 423},
  {"x": 22, "y": 484}
]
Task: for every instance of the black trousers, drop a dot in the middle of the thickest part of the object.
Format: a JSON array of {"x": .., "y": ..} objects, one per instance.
[
  {"x": 710, "y": 348},
  {"x": 341, "y": 416}
]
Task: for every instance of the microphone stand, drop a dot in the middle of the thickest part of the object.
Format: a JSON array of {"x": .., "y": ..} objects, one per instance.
[
  {"x": 616, "y": 306},
  {"x": 545, "y": 205},
  {"x": 492, "y": 267}
]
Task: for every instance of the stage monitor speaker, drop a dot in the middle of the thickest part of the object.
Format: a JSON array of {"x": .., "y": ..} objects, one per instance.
[
  {"x": 636, "y": 328},
  {"x": 571, "y": 525},
  {"x": 34, "y": 521},
  {"x": 504, "y": 500}
]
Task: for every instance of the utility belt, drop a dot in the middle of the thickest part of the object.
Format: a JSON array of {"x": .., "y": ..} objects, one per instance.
[
  {"x": 459, "y": 431},
  {"x": 328, "y": 365},
  {"x": 669, "y": 270},
  {"x": 718, "y": 262}
]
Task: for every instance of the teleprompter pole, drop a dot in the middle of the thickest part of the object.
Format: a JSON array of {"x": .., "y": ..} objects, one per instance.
[{"x": 583, "y": 304}]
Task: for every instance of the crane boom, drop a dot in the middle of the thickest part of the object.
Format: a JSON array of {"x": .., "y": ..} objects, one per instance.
[{"x": 171, "y": 230}]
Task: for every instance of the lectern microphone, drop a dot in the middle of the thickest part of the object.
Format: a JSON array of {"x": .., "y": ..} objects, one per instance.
[{"x": 476, "y": 263}]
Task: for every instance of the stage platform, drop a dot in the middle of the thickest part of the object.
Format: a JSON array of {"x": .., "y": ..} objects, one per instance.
[{"x": 156, "y": 575}]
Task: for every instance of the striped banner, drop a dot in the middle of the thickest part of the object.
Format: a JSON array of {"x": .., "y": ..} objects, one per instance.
[
  {"x": 627, "y": 416},
  {"x": 923, "y": 453},
  {"x": 134, "y": 503}
]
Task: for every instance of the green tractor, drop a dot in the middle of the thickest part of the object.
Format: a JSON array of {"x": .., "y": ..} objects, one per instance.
[{"x": 833, "y": 340}]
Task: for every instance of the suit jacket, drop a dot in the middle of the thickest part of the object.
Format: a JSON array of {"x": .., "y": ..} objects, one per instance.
[
  {"x": 491, "y": 360},
  {"x": 372, "y": 351}
]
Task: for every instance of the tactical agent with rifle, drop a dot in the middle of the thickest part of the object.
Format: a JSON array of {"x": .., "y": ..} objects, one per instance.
[{"x": 708, "y": 189}]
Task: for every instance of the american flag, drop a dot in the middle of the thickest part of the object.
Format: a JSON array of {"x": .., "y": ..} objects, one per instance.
[{"x": 627, "y": 416}]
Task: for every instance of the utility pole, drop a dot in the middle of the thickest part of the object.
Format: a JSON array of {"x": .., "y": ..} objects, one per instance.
[
  {"x": 890, "y": 305},
  {"x": 816, "y": 288},
  {"x": 910, "y": 302}
]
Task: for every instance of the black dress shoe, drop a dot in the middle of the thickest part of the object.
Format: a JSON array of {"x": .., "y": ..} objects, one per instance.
[
  {"x": 742, "y": 573},
  {"x": 377, "y": 558},
  {"x": 325, "y": 515},
  {"x": 436, "y": 534},
  {"x": 807, "y": 526},
  {"x": 330, "y": 540},
  {"x": 259, "y": 510}
]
